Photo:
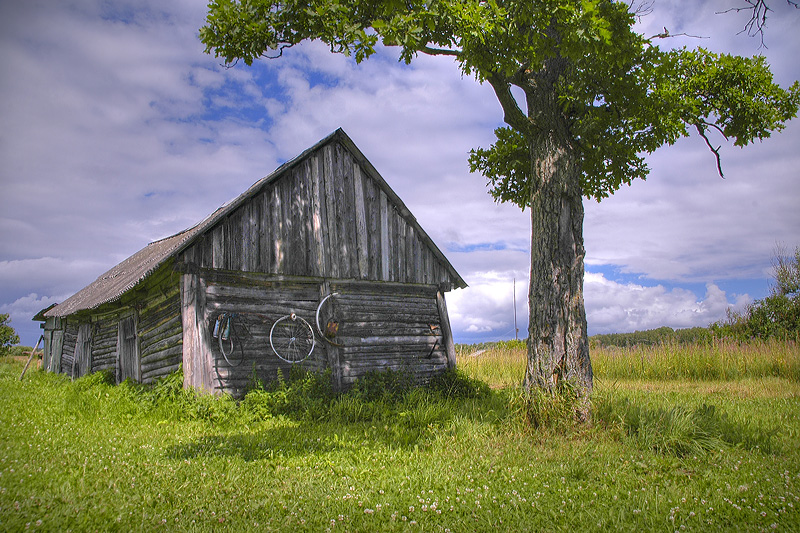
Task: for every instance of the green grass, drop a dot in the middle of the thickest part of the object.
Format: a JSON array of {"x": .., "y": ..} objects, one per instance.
[
  {"x": 501, "y": 365},
  {"x": 87, "y": 455}
]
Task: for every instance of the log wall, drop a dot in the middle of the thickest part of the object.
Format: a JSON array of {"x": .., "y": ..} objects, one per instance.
[
  {"x": 160, "y": 337},
  {"x": 104, "y": 345},
  {"x": 381, "y": 326},
  {"x": 388, "y": 326},
  {"x": 156, "y": 309},
  {"x": 256, "y": 303}
]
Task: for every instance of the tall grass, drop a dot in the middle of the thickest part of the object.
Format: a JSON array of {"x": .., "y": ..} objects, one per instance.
[
  {"x": 503, "y": 366},
  {"x": 718, "y": 360}
]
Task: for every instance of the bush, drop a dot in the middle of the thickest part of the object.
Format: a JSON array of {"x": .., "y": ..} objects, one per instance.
[
  {"x": 7, "y": 334},
  {"x": 305, "y": 395},
  {"x": 388, "y": 385},
  {"x": 777, "y": 315}
]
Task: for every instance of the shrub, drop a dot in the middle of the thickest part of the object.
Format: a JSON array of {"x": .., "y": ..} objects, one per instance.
[
  {"x": 305, "y": 395},
  {"x": 777, "y": 315},
  {"x": 7, "y": 334},
  {"x": 388, "y": 385}
]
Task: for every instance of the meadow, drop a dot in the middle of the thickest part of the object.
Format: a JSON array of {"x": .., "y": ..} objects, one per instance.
[{"x": 683, "y": 437}]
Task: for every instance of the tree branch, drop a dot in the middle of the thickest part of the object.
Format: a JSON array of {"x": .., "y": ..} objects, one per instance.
[
  {"x": 701, "y": 129},
  {"x": 512, "y": 114},
  {"x": 666, "y": 34},
  {"x": 712, "y": 125},
  {"x": 440, "y": 51},
  {"x": 758, "y": 16},
  {"x": 281, "y": 48}
]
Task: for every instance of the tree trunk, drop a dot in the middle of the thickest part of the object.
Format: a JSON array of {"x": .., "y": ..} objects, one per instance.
[{"x": 558, "y": 344}]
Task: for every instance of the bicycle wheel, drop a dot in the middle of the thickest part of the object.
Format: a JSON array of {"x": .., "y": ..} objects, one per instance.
[
  {"x": 331, "y": 331},
  {"x": 292, "y": 338}
]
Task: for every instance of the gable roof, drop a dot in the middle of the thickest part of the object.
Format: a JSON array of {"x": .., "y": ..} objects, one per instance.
[{"x": 110, "y": 286}]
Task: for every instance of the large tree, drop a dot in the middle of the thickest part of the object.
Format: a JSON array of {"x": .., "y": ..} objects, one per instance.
[
  {"x": 7, "y": 334},
  {"x": 598, "y": 96}
]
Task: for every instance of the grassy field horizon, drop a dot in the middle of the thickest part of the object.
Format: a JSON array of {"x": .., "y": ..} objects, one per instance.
[{"x": 695, "y": 438}]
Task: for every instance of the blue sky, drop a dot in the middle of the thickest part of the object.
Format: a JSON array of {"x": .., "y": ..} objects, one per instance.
[{"x": 116, "y": 130}]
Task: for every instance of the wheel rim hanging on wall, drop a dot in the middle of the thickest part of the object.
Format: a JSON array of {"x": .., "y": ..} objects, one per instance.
[
  {"x": 292, "y": 338},
  {"x": 331, "y": 331}
]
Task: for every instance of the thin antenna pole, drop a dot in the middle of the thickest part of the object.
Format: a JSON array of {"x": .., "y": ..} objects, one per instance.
[{"x": 516, "y": 329}]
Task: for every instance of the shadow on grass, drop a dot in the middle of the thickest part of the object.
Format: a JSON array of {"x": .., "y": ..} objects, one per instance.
[
  {"x": 268, "y": 444},
  {"x": 300, "y": 440},
  {"x": 405, "y": 426}
]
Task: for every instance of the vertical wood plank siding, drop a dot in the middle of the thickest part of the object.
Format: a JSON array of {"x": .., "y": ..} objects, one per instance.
[
  {"x": 325, "y": 217},
  {"x": 82, "y": 362}
]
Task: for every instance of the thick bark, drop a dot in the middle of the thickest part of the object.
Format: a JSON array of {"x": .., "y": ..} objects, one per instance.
[
  {"x": 558, "y": 343},
  {"x": 558, "y": 346}
]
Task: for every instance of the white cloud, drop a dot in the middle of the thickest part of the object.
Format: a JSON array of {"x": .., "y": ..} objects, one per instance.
[
  {"x": 486, "y": 309},
  {"x": 25, "y": 307},
  {"x": 613, "y": 307}
]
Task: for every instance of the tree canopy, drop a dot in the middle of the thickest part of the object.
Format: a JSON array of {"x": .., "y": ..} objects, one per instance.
[{"x": 622, "y": 95}]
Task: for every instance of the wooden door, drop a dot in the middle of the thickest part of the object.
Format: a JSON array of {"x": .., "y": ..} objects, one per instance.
[
  {"x": 81, "y": 364},
  {"x": 57, "y": 347},
  {"x": 128, "y": 351}
]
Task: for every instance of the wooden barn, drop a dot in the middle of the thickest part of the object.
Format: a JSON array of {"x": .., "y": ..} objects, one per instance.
[{"x": 320, "y": 264}]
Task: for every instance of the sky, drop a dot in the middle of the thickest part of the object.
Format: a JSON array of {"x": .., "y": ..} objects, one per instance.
[{"x": 116, "y": 129}]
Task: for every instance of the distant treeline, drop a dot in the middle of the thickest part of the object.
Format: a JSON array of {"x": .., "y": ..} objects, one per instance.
[
  {"x": 496, "y": 345},
  {"x": 663, "y": 335}
]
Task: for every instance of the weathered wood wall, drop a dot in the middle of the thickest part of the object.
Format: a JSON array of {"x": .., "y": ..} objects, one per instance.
[
  {"x": 161, "y": 336},
  {"x": 68, "y": 349},
  {"x": 325, "y": 222},
  {"x": 104, "y": 346},
  {"x": 83, "y": 351},
  {"x": 257, "y": 302},
  {"x": 156, "y": 321},
  {"x": 388, "y": 326},
  {"x": 50, "y": 340},
  {"x": 381, "y": 326},
  {"x": 327, "y": 217}
]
